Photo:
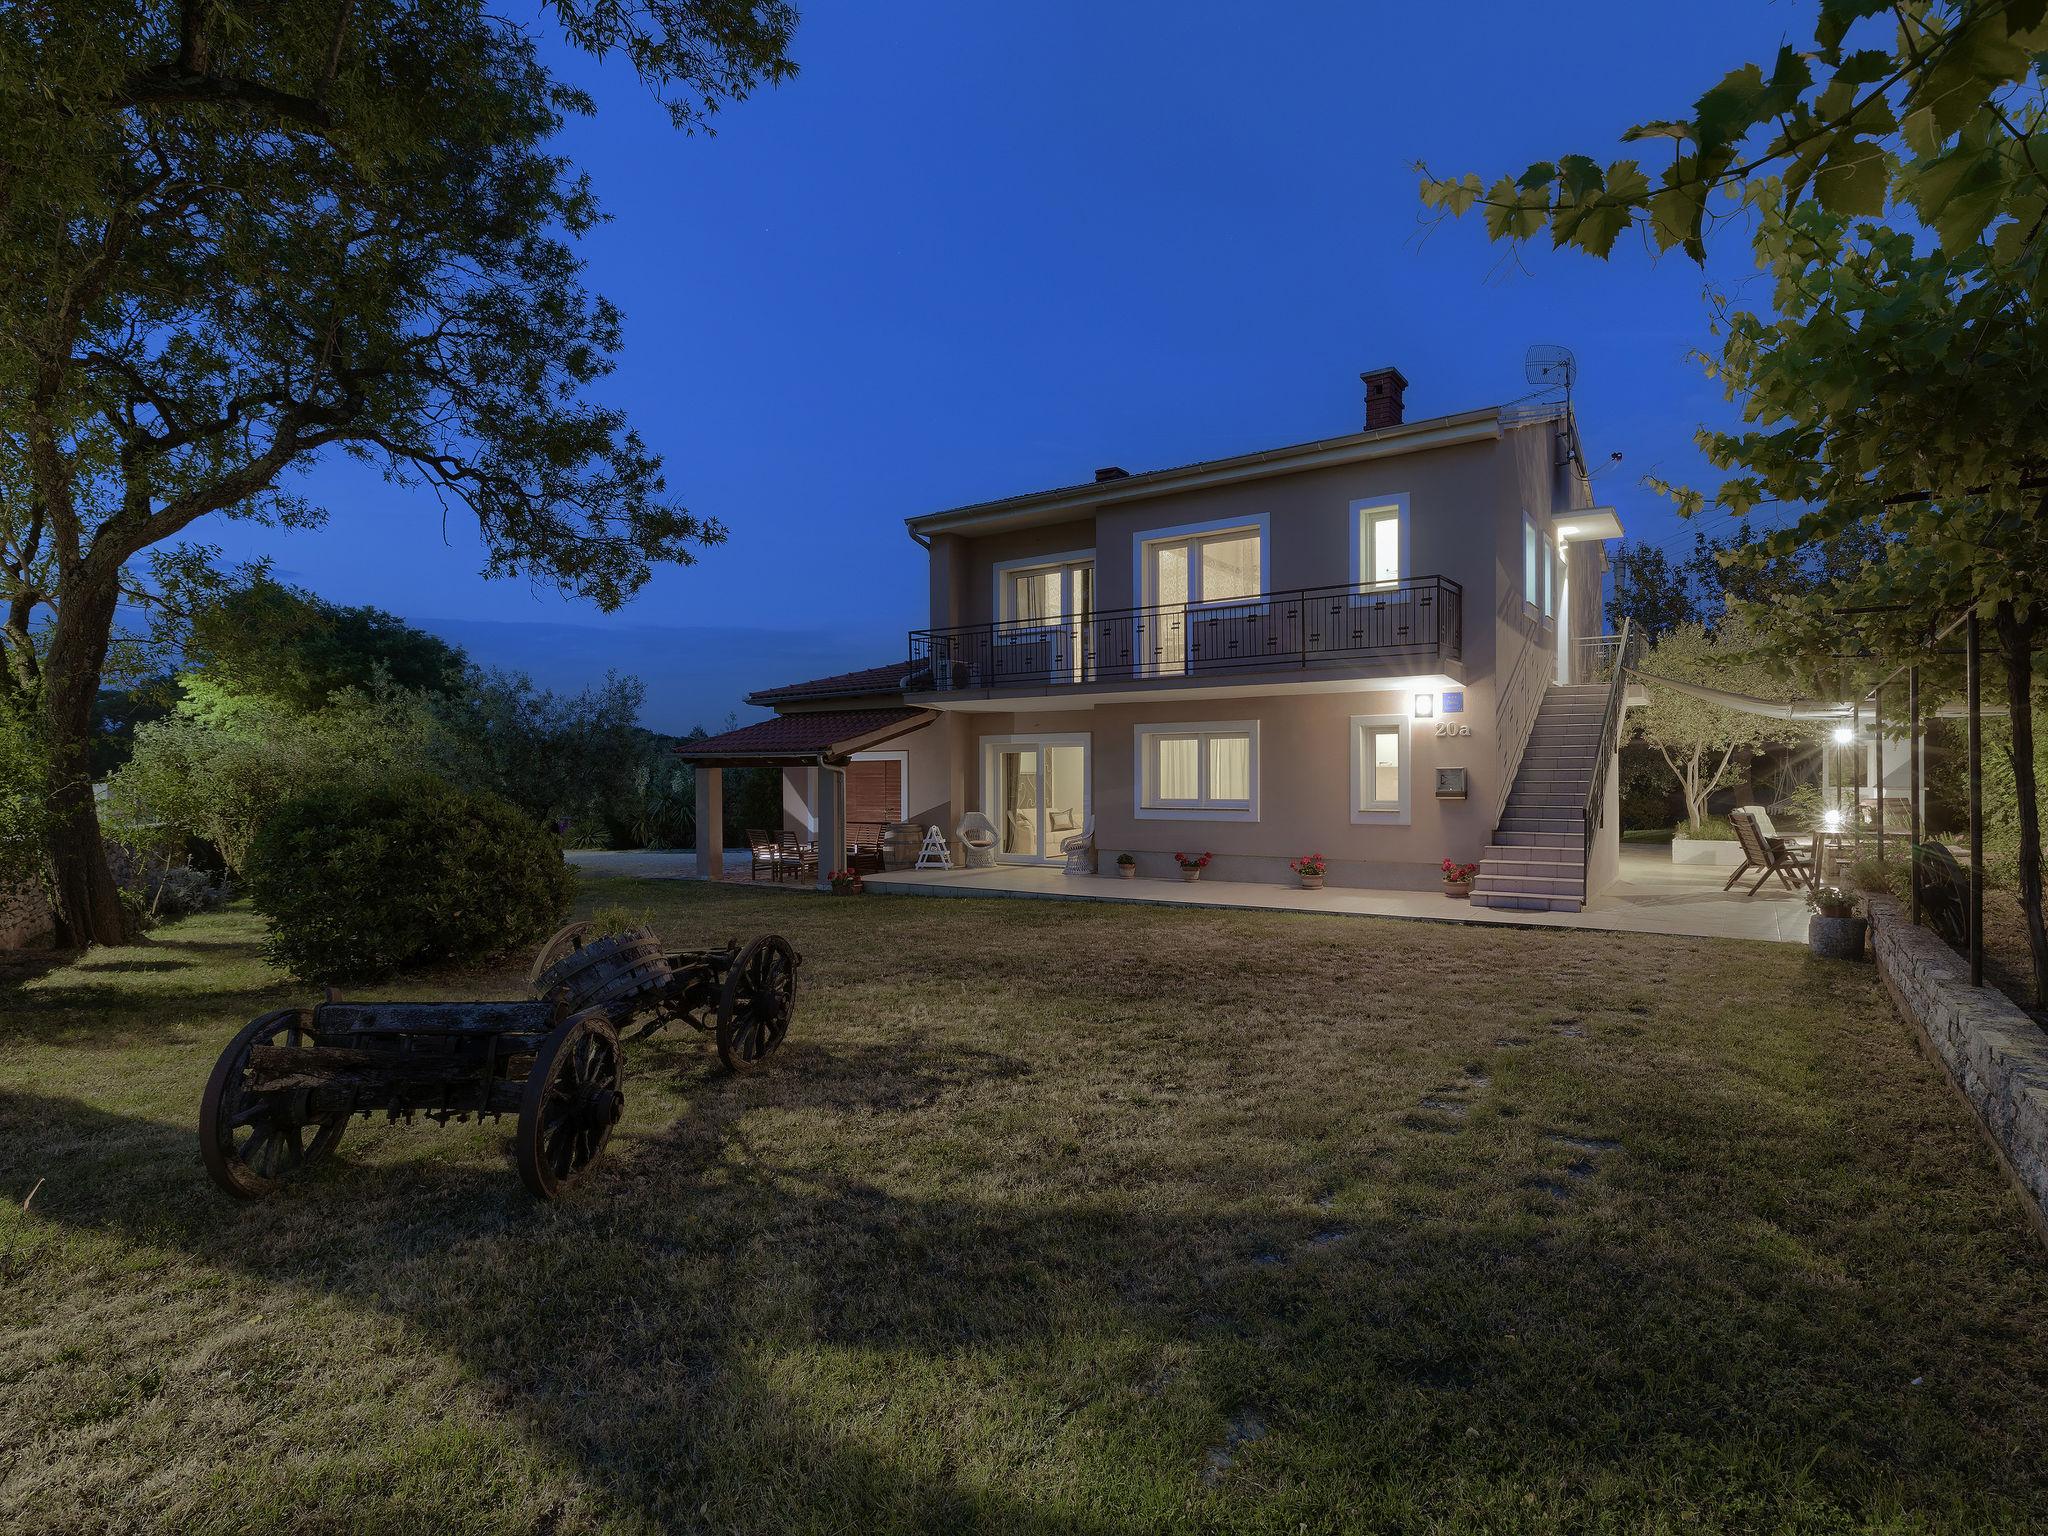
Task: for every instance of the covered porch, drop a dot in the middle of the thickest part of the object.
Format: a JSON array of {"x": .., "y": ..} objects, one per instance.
[
  {"x": 1649, "y": 895},
  {"x": 821, "y": 740}
]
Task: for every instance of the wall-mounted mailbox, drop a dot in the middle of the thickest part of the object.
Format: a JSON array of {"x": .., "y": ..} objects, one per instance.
[
  {"x": 1454, "y": 701},
  {"x": 1450, "y": 783}
]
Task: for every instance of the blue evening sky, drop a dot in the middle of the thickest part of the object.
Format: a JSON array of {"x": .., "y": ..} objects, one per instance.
[{"x": 976, "y": 250}]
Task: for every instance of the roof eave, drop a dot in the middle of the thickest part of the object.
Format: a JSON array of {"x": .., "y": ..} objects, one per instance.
[{"x": 1048, "y": 506}]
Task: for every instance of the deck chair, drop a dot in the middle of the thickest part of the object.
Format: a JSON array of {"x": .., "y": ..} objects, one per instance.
[
  {"x": 767, "y": 854},
  {"x": 1772, "y": 855},
  {"x": 795, "y": 856},
  {"x": 1079, "y": 848}
]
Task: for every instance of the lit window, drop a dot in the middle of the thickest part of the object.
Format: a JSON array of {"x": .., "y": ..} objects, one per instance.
[
  {"x": 1379, "y": 546},
  {"x": 1379, "y": 768},
  {"x": 1199, "y": 771},
  {"x": 1531, "y": 544},
  {"x": 1549, "y": 580}
]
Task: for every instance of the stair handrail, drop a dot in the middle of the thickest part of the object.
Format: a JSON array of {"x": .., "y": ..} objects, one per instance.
[
  {"x": 1610, "y": 733},
  {"x": 1514, "y": 717}
]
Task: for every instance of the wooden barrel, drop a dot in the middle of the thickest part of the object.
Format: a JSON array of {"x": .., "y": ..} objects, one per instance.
[
  {"x": 901, "y": 841},
  {"x": 609, "y": 971}
]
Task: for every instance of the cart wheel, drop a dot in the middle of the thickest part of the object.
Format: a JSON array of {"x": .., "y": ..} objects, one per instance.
[
  {"x": 575, "y": 1094},
  {"x": 566, "y": 941},
  {"x": 759, "y": 997},
  {"x": 251, "y": 1143}
]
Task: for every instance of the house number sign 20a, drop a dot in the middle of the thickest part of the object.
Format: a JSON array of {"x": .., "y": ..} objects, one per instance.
[{"x": 1451, "y": 728}]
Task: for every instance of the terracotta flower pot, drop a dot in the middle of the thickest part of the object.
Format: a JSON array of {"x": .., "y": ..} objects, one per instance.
[
  {"x": 1311, "y": 882},
  {"x": 1457, "y": 888},
  {"x": 1191, "y": 874},
  {"x": 1127, "y": 871}
]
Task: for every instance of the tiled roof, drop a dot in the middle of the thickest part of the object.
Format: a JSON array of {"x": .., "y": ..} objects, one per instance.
[
  {"x": 887, "y": 678},
  {"x": 807, "y": 734}
]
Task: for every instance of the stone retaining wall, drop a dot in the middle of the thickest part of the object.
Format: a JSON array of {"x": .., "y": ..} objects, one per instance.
[
  {"x": 1996, "y": 1056},
  {"x": 24, "y": 917}
]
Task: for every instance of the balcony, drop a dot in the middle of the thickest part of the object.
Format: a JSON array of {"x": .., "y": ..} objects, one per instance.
[{"x": 1417, "y": 624}]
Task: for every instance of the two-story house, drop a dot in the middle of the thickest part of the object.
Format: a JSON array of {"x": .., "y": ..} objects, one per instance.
[{"x": 1374, "y": 647}]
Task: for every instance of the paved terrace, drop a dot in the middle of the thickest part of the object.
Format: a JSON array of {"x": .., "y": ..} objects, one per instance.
[{"x": 1653, "y": 895}]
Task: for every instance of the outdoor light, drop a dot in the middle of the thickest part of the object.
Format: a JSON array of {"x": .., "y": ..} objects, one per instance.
[
  {"x": 1567, "y": 530},
  {"x": 1843, "y": 735},
  {"x": 1832, "y": 820},
  {"x": 1425, "y": 705}
]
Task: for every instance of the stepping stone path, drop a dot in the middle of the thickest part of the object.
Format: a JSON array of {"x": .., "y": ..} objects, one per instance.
[{"x": 1244, "y": 1429}]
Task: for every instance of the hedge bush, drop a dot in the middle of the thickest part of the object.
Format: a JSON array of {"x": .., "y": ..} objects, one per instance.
[{"x": 362, "y": 880}]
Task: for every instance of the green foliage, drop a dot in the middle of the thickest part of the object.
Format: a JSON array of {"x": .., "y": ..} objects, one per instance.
[
  {"x": 1887, "y": 878},
  {"x": 23, "y": 801},
  {"x": 1708, "y": 829},
  {"x": 271, "y": 641},
  {"x": 1942, "y": 117},
  {"x": 557, "y": 757},
  {"x": 616, "y": 917},
  {"x": 1697, "y": 740},
  {"x": 361, "y": 880},
  {"x": 221, "y": 764}
]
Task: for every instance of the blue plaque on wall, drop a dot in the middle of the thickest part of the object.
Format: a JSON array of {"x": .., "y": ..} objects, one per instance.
[{"x": 1454, "y": 701}]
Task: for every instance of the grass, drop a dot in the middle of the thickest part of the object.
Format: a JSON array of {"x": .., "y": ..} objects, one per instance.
[{"x": 1050, "y": 1218}]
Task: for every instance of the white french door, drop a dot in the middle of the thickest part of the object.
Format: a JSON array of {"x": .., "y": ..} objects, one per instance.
[
  {"x": 1036, "y": 790},
  {"x": 1184, "y": 577},
  {"x": 1046, "y": 613}
]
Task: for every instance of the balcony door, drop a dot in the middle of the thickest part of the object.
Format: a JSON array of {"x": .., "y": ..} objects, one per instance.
[
  {"x": 1045, "y": 613},
  {"x": 1035, "y": 789},
  {"x": 1197, "y": 586}
]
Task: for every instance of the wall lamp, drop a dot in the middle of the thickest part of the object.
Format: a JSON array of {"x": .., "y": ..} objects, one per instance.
[{"x": 1425, "y": 705}]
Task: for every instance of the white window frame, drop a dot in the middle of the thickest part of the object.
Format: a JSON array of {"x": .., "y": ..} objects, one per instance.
[
  {"x": 1201, "y": 729},
  {"x": 991, "y": 745},
  {"x": 1377, "y": 814},
  {"x": 1361, "y": 551},
  {"x": 1260, "y": 523},
  {"x": 1005, "y": 607},
  {"x": 1532, "y": 545},
  {"x": 1549, "y": 580},
  {"x": 902, "y": 776}
]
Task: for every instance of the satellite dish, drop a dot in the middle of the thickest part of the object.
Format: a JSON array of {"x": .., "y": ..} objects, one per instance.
[{"x": 1551, "y": 367}]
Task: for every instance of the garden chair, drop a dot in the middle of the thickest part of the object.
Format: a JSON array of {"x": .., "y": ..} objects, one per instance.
[
  {"x": 798, "y": 857},
  {"x": 767, "y": 854},
  {"x": 977, "y": 836},
  {"x": 1772, "y": 855},
  {"x": 1079, "y": 848}
]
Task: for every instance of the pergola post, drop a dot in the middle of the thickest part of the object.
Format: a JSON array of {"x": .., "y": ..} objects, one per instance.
[
  {"x": 1972, "y": 668},
  {"x": 710, "y": 823},
  {"x": 1913, "y": 769}
]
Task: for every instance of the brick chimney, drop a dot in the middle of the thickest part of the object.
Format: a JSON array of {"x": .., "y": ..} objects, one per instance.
[{"x": 1383, "y": 390}]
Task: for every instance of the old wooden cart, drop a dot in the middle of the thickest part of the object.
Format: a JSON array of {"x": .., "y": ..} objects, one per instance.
[{"x": 286, "y": 1086}]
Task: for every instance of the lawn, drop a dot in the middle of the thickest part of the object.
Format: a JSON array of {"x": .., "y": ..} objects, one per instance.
[{"x": 1050, "y": 1217}]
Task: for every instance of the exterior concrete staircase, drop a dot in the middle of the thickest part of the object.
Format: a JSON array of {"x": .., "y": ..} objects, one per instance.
[{"x": 1537, "y": 859}]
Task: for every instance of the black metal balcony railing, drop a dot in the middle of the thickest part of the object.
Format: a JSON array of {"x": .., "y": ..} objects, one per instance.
[{"x": 1421, "y": 619}]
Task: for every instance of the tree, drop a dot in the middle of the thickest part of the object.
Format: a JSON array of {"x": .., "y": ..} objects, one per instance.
[
  {"x": 1895, "y": 390},
  {"x": 271, "y": 641},
  {"x": 1697, "y": 740},
  {"x": 235, "y": 237},
  {"x": 556, "y": 757},
  {"x": 1649, "y": 591}
]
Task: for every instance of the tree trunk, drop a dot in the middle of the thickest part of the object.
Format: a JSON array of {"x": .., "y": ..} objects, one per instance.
[
  {"x": 2015, "y": 640},
  {"x": 88, "y": 902}
]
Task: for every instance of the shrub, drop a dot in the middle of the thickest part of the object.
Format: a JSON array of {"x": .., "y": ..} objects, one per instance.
[
  {"x": 1712, "y": 829},
  {"x": 1888, "y": 878},
  {"x": 181, "y": 891},
  {"x": 361, "y": 880}
]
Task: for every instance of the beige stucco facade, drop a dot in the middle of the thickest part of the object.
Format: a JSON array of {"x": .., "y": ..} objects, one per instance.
[{"x": 1472, "y": 493}]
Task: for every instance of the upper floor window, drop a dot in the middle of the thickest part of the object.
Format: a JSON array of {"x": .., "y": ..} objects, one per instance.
[
  {"x": 1206, "y": 568},
  {"x": 1549, "y": 580},
  {"x": 1049, "y": 590},
  {"x": 1376, "y": 537},
  {"x": 1532, "y": 556}
]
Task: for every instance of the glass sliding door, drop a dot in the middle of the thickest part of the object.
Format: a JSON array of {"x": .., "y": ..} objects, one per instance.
[{"x": 1036, "y": 791}]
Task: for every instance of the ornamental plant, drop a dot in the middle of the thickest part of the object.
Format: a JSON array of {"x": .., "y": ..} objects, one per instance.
[
  {"x": 1309, "y": 864},
  {"x": 1193, "y": 860},
  {"x": 844, "y": 881},
  {"x": 1127, "y": 858},
  {"x": 1456, "y": 873}
]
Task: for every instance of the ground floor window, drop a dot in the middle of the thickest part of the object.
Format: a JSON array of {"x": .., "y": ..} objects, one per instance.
[
  {"x": 1202, "y": 772},
  {"x": 1379, "y": 769}
]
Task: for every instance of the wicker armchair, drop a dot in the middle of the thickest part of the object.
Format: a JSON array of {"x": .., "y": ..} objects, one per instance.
[
  {"x": 977, "y": 835},
  {"x": 1079, "y": 849}
]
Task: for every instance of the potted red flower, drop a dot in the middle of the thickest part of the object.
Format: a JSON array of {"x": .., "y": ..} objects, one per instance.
[
  {"x": 1192, "y": 864},
  {"x": 1311, "y": 867},
  {"x": 1127, "y": 866},
  {"x": 1458, "y": 877},
  {"x": 847, "y": 882}
]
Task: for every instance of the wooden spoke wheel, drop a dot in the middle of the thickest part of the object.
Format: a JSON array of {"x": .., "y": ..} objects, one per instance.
[
  {"x": 566, "y": 942},
  {"x": 252, "y": 1142},
  {"x": 574, "y": 1096},
  {"x": 759, "y": 998}
]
